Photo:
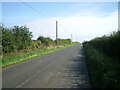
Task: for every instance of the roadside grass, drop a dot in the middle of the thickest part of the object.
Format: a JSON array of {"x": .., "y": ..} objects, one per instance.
[
  {"x": 103, "y": 70},
  {"x": 13, "y": 58}
]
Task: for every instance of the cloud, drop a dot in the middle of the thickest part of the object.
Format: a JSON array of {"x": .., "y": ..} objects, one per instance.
[{"x": 80, "y": 26}]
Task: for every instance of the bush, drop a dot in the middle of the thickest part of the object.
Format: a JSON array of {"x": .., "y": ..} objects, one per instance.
[
  {"x": 63, "y": 41},
  {"x": 45, "y": 40},
  {"x": 8, "y": 41},
  {"x": 109, "y": 45},
  {"x": 103, "y": 60},
  {"x": 104, "y": 72},
  {"x": 16, "y": 38}
]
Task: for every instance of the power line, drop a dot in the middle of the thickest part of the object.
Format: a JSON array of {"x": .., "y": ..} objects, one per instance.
[
  {"x": 35, "y": 10},
  {"x": 40, "y": 12}
]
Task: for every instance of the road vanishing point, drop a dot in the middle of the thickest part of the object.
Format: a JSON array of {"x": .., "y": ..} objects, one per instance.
[{"x": 64, "y": 68}]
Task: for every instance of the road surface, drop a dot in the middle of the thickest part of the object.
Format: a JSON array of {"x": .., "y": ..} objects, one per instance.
[{"x": 64, "y": 68}]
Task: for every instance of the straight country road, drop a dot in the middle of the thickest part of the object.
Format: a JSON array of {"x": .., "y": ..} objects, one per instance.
[{"x": 64, "y": 68}]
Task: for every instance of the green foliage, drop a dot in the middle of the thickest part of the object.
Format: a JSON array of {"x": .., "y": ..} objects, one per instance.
[
  {"x": 45, "y": 40},
  {"x": 63, "y": 41},
  {"x": 22, "y": 37},
  {"x": 103, "y": 60},
  {"x": 17, "y": 44},
  {"x": 17, "y": 38},
  {"x": 48, "y": 41},
  {"x": 103, "y": 70},
  {"x": 109, "y": 45},
  {"x": 75, "y": 43},
  {"x": 26, "y": 55},
  {"x": 8, "y": 43},
  {"x": 1, "y": 39}
]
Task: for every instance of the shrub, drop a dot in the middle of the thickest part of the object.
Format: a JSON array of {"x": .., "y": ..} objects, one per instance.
[{"x": 16, "y": 38}]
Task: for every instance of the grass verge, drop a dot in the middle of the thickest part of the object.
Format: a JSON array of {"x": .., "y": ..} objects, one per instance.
[
  {"x": 103, "y": 70},
  {"x": 24, "y": 55}
]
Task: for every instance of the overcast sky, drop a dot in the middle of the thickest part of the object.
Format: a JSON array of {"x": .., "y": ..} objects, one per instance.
[{"x": 83, "y": 20}]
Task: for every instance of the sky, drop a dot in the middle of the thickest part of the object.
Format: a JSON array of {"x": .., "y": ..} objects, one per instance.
[{"x": 84, "y": 20}]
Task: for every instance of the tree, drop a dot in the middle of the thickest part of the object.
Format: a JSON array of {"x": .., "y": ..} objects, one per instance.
[
  {"x": 22, "y": 37},
  {"x": 7, "y": 40},
  {"x": 16, "y": 38}
]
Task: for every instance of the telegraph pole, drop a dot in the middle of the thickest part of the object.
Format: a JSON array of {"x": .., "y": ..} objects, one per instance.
[
  {"x": 71, "y": 38},
  {"x": 56, "y": 33}
]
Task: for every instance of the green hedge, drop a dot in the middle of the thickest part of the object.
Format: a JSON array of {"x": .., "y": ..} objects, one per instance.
[
  {"x": 104, "y": 71},
  {"x": 20, "y": 38},
  {"x": 109, "y": 45}
]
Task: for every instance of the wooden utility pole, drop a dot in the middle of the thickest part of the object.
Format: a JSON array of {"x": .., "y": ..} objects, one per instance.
[
  {"x": 56, "y": 33},
  {"x": 71, "y": 38}
]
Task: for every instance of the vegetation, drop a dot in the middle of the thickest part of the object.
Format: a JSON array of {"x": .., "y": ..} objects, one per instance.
[
  {"x": 109, "y": 45},
  {"x": 27, "y": 54},
  {"x": 46, "y": 40},
  {"x": 63, "y": 41},
  {"x": 103, "y": 60},
  {"x": 17, "y": 45},
  {"x": 17, "y": 38}
]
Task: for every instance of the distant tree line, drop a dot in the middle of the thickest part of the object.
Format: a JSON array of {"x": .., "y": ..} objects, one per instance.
[{"x": 20, "y": 38}]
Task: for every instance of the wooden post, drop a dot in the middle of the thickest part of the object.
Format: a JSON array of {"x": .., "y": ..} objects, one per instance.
[
  {"x": 71, "y": 38},
  {"x": 56, "y": 33}
]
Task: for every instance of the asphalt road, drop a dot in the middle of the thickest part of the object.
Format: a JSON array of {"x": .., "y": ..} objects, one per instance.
[{"x": 64, "y": 68}]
